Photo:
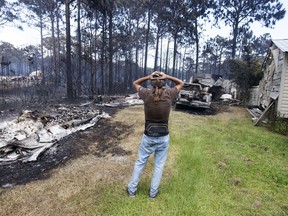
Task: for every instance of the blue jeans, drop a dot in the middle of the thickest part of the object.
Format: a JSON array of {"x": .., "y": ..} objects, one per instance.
[{"x": 148, "y": 145}]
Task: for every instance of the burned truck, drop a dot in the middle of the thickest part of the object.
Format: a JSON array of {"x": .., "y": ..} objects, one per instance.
[{"x": 194, "y": 95}]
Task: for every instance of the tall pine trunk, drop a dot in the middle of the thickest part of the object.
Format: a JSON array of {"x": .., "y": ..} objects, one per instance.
[
  {"x": 110, "y": 76},
  {"x": 156, "y": 50},
  {"x": 79, "y": 44},
  {"x": 167, "y": 57},
  {"x": 103, "y": 53},
  {"x": 57, "y": 69},
  {"x": 174, "y": 54},
  {"x": 42, "y": 52},
  {"x": 68, "y": 52},
  {"x": 197, "y": 47},
  {"x": 147, "y": 42},
  {"x": 54, "y": 57}
]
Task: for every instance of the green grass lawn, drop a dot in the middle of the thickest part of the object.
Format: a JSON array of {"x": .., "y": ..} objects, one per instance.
[{"x": 216, "y": 166}]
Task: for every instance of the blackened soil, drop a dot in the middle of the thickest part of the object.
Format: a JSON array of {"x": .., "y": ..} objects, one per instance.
[
  {"x": 215, "y": 108},
  {"x": 100, "y": 140}
]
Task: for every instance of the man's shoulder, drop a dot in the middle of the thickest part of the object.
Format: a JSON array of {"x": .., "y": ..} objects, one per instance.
[
  {"x": 143, "y": 91},
  {"x": 171, "y": 90}
]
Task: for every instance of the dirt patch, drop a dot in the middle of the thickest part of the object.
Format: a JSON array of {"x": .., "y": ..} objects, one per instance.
[{"x": 215, "y": 108}]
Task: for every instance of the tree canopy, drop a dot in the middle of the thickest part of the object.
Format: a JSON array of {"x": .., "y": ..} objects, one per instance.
[
  {"x": 8, "y": 12},
  {"x": 240, "y": 14}
]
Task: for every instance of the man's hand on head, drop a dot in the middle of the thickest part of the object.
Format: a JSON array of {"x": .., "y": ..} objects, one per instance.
[{"x": 158, "y": 74}]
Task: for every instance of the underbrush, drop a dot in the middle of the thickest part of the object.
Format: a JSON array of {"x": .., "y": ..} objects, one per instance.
[{"x": 279, "y": 125}]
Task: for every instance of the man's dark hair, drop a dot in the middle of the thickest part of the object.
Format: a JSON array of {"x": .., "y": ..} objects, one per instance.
[{"x": 158, "y": 83}]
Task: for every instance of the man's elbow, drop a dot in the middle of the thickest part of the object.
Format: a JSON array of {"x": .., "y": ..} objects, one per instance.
[
  {"x": 179, "y": 86},
  {"x": 136, "y": 86}
]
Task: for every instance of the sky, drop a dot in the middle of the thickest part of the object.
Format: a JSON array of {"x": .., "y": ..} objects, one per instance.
[{"x": 32, "y": 35}]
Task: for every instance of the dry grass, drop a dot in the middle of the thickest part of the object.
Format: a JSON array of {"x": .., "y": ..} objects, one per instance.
[
  {"x": 132, "y": 116},
  {"x": 69, "y": 190},
  {"x": 232, "y": 113}
]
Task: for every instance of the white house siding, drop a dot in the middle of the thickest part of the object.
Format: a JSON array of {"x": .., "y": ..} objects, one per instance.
[{"x": 283, "y": 97}]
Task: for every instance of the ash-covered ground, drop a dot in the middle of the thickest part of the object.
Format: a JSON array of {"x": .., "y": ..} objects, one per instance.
[{"x": 104, "y": 135}]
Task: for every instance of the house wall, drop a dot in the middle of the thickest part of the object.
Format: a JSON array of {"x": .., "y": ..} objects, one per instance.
[{"x": 283, "y": 96}]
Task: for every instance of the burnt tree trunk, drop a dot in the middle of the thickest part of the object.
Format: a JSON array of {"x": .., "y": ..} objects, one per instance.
[
  {"x": 79, "y": 44},
  {"x": 68, "y": 52}
]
